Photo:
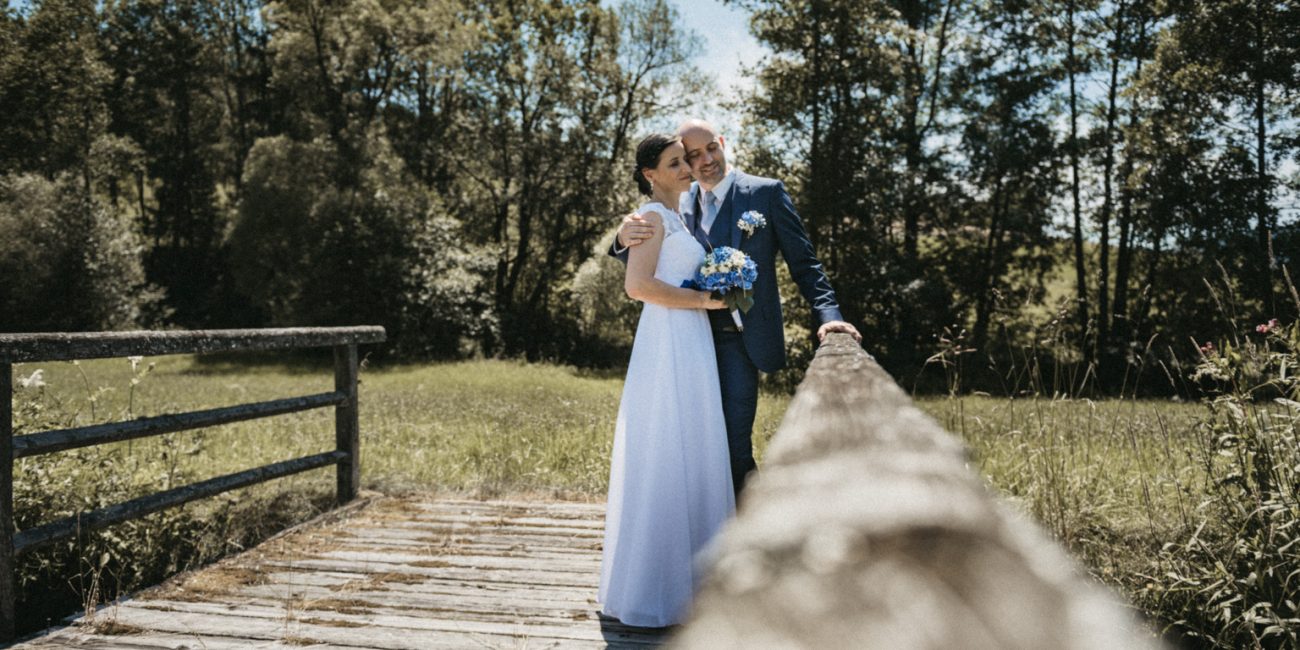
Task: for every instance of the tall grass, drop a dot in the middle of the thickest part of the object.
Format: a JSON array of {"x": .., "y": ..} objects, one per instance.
[{"x": 1192, "y": 510}]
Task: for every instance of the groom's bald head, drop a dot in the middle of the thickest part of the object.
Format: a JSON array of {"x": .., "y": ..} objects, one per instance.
[{"x": 705, "y": 151}]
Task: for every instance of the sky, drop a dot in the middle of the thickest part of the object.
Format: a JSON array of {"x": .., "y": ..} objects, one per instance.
[
  {"x": 729, "y": 47},
  {"x": 729, "y": 50}
]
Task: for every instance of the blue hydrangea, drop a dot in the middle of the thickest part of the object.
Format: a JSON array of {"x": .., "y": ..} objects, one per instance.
[{"x": 729, "y": 273}]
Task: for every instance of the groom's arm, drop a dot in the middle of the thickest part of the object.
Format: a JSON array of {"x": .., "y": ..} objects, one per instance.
[{"x": 805, "y": 268}]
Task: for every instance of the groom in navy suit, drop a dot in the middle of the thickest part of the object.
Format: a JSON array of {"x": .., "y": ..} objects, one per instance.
[{"x": 716, "y": 202}]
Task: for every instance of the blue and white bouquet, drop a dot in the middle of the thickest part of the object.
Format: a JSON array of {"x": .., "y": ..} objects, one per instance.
[{"x": 729, "y": 274}]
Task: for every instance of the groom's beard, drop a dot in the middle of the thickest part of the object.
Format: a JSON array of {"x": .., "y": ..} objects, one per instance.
[{"x": 719, "y": 173}]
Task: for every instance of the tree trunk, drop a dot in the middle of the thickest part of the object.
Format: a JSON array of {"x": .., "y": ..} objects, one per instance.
[
  {"x": 988, "y": 268},
  {"x": 1264, "y": 222},
  {"x": 813, "y": 199},
  {"x": 1080, "y": 270},
  {"x": 914, "y": 202},
  {"x": 1120, "y": 326},
  {"x": 913, "y": 80},
  {"x": 1107, "y": 204}
]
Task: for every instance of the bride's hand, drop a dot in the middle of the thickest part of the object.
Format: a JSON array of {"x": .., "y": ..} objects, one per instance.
[{"x": 709, "y": 302}]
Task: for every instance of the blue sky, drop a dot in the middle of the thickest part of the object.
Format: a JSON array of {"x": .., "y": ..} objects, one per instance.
[
  {"x": 729, "y": 47},
  {"x": 729, "y": 50}
]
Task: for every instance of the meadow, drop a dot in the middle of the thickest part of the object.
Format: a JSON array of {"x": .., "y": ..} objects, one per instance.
[{"x": 1118, "y": 481}]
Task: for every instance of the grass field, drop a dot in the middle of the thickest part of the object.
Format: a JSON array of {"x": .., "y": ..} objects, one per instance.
[
  {"x": 486, "y": 427},
  {"x": 1112, "y": 479}
]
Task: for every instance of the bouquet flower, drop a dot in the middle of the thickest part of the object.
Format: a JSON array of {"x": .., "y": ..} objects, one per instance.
[
  {"x": 750, "y": 222},
  {"x": 730, "y": 275}
]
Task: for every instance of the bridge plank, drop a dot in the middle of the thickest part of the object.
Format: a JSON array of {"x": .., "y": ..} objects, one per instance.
[{"x": 390, "y": 575}]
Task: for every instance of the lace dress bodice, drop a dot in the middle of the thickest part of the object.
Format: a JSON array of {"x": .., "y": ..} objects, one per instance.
[{"x": 681, "y": 255}]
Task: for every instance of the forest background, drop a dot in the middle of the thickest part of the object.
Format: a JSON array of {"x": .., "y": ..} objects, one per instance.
[{"x": 1079, "y": 190}]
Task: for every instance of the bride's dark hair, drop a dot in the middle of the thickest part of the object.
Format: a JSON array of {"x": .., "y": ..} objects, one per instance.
[{"x": 647, "y": 157}]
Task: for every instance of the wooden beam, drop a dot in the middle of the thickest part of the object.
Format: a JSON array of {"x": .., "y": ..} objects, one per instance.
[
  {"x": 347, "y": 426},
  {"x": 64, "y": 346},
  {"x": 8, "y": 584},
  {"x": 867, "y": 528},
  {"x": 64, "y": 528},
  {"x": 63, "y": 439}
]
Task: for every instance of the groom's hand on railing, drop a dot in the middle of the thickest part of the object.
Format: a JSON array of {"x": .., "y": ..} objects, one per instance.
[
  {"x": 837, "y": 326},
  {"x": 634, "y": 231}
]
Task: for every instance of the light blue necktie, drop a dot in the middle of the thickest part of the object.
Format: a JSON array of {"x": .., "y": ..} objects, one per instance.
[{"x": 710, "y": 211}]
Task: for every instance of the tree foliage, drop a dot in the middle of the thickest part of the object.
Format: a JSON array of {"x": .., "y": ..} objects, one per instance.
[
  {"x": 440, "y": 168},
  {"x": 983, "y": 175},
  {"x": 954, "y": 158}
]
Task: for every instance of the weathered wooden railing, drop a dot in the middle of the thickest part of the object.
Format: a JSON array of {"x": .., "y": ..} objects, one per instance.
[
  {"x": 866, "y": 528},
  {"x": 19, "y": 348}
]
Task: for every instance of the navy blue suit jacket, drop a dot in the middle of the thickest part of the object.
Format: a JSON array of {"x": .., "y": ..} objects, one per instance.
[{"x": 764, "y": 332}]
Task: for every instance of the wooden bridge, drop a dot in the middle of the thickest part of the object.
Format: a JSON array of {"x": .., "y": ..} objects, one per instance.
[{"x": 865, "y": 528}]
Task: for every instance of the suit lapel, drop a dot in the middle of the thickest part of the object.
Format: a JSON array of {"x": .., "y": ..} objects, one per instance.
[{"x": 691, "y": 212}]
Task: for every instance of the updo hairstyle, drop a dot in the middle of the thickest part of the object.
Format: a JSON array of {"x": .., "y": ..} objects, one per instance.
[{"x": 647, "y": 157}]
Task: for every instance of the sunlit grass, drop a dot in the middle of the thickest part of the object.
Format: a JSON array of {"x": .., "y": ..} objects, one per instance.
[{"x": 486, "y": 427}]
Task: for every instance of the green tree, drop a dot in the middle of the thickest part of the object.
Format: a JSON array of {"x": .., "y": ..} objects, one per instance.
[
  {"x": 53, "y": 88},
  {"x": 164, "y": 69},
  {"x": 854, "y": 113},
  {"x": 559, "y": 92},
  {"x": 1242, "y": 57},
  {"x": 1011, "y": 161},
  {"x": 73, "y": 263}
]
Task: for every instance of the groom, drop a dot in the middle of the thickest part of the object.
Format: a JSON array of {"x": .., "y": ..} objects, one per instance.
[{"x": 714, "y": 204}]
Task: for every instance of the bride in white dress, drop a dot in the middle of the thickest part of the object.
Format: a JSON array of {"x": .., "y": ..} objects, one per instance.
[{"x": 670, "y": 477}]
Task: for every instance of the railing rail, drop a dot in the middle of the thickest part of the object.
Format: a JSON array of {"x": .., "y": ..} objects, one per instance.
[
  {"x": 18, "y": 348},
  {"x": 866, "y": 528}
]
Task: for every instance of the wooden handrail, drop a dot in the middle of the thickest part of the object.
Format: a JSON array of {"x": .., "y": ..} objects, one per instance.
[
  {"x": 15, "y": 348},
  {"x": 66, "y": 346},
  {"x": 48, "y": 442},
  {"x": 867, "y": 528}
]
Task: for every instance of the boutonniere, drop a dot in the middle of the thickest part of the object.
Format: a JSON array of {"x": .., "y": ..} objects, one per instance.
[{"x": 750, "y": 222}]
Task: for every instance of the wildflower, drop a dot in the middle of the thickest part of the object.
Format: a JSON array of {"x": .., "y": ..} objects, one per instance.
[
  {"x": 135, "y": 362},
  {"x": 1208, "y": 348},
  {"x": 1271, "y": 325},
  {"x": 34, "y": 380}
]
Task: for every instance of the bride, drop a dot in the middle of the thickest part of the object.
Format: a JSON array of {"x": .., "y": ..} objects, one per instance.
[{"x": 670, "y": 477}]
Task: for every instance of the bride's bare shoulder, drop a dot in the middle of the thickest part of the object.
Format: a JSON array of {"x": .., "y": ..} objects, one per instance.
[
  {"x": 653, "y": 212},
  {"x": 653, "y": 217}
]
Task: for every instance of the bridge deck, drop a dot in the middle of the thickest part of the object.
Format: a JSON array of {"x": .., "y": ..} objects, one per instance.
[{"x": 393, "y": 573}]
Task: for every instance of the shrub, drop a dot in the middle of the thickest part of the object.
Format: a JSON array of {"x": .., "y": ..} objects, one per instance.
[
  {"x": 309, "y": 249},
  {"x": 606, "y": 317},
  {"x": 70, "y": 262}
]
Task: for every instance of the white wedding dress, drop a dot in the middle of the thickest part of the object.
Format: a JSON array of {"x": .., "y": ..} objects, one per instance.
[{"x": 670, "y": 477}]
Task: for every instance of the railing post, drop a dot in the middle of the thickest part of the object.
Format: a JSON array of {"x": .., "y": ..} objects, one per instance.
[
  {"x": 347, "y": 429},
  {"x": 7, "y": 582}
]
